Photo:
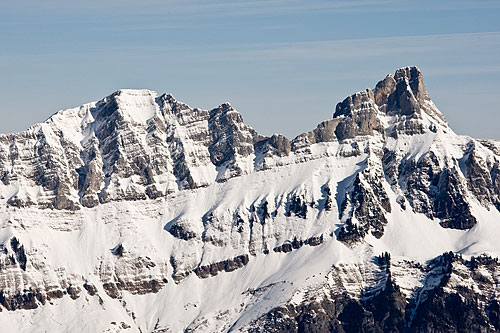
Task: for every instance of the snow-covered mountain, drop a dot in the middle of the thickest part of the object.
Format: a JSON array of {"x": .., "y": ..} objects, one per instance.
[{"x": 139, "y": 213}]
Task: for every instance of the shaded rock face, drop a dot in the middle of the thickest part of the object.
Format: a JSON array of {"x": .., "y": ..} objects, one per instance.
[
  {"x": 230, "y": 135},
  {"x": 90, "y": 288},
  {"x": 409, "y": 93},
  {"x": 276, "y": 145},
  {"x": 147, "y": 276},
  {"x": 442, "y": 304},
  {"x": 450, "y": 204},
  {"x": 415, "y": 81},
  {"x": 402, "y": 94},
  {"x": 114, "y": 289},
  {"x": 383, "y": 90},
  {"x": 482, "y": 176},
  {"x": 210, "y": 270},
  {"x": 181, "y": 231},
  {"x": 436, "y": 191},
  {"x": 19, "y": 253},
  {"x": 367, "y": 203},
  {"x": 31, "y": 298}
]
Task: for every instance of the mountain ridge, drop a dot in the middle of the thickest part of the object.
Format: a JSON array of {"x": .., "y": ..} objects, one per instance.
[
  {"x": 95, "y": 122},
  {"x": 144, "y": 214}
]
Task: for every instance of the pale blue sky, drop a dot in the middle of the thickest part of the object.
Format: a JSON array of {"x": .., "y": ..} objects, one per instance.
[{"x": 283, "y": 64}]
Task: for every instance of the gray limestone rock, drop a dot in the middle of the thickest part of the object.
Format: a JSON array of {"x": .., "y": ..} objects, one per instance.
[
  {"x": 276, "y": 145},
  {"x": 324, "y": 132},
  {"x": 230, "y": 136},
  {"x": 358, "y": 116},
  {"x": 383, "y": 90},
  {"x": 367, "y": 202}
]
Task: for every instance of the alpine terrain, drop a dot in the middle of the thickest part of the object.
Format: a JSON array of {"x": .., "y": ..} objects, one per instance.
[{"x": 138, "y": 213}]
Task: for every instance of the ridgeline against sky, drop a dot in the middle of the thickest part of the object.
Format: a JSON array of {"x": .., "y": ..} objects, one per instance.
[{"x": 284, "y": 64}]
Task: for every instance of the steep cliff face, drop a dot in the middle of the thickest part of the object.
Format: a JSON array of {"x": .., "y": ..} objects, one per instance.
[{"x": 142, "y": 213}]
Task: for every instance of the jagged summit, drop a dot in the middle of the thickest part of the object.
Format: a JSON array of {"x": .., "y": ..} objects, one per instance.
[{"x": 398, "y": 105}]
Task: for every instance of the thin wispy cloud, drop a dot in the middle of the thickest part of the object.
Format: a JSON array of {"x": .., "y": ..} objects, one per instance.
[
  {"x": 296, "y": 59},
  {"x": 356, "y": 48},
  {"x": 323, "y": 49},
  {"x": 207, "y": 6},
  {"x": 199, "y": 9}
]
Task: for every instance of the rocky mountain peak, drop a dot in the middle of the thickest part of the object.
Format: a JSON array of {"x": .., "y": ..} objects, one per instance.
[
  {"x": 230, "y": 135},
  {"x": 404, "y": 94},
  {"x": 225, "y": 112},
  {"x": 167, "y": 97},
  {"x": 401, "y": 96},
  {"x": 136, "y": 105}
]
